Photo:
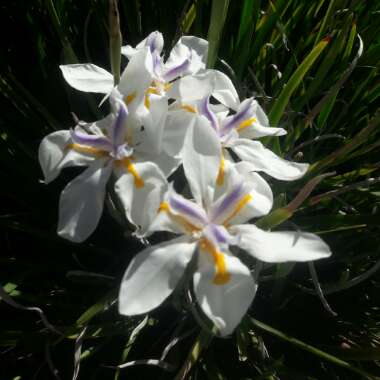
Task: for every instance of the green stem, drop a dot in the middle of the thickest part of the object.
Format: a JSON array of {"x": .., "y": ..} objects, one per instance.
[{"x": 115, "y": 40}]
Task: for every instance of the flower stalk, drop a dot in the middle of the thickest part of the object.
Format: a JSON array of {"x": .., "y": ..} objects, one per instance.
[{"x": 115, "y": 40}]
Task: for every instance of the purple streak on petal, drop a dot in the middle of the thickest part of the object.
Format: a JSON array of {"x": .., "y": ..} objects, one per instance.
[
  {"x": 176, "y": 71},
  {"x": 188, "y": 209},
  {"x": 228, "y": 200},
  {"x": 156, "y": 62},
  {"x": 220, "y": 234},
  {"x": 95, "y": 141},
  {"x": 151, "y": 42},
  {"x": 204, "y": 110},
  {"x": 236, "y": 119},
  {"x": 118, "y": 128}
]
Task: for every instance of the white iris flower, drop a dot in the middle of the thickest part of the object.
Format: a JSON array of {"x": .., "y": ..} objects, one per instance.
[
  {"x": 208, "y": 226},
  {"x": 107, "y": 146},
  {"x": 236, "y": 131}
]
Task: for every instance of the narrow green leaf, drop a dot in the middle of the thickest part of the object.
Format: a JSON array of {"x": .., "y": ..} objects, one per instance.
[
  {"x": 282, "y": 101},
  {"x": 219, "y": 11},
  {"x": 245, "y": 19},
  {"x": 313, "y": 350},
  {"x": 326, "y": 21},
  {"x": 266, "y": 25},
  {"x": 350, "y": 42},
  {"x": 95, "y": 309},
  {"x": 248, "y": 20},
  {"x": 70, "y": 56},
  {"x": 132, "y": 338},
  {"x": 189, "y": 18},
  {"x": 201, "y": 343},
  {"x": 341, "y": 154}
]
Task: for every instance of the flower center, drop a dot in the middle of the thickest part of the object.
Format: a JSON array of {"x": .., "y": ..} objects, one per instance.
[
  {"x": 156, "y": 88},
  {"x": 121, "y": 151}
]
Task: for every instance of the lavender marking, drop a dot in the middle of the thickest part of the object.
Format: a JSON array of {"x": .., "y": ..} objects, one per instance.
[
  {"x": 188, "y": 208},
  {"x": 219, "y": 233},
  {"x": 176, "y": 71},
  {"x": 228, "y": 201},
  {"x": 95, "y": 141},
  {"x": 205, "y": 111},
  {"x": 236, "y": 119},
  {"x": 151, "y": 41},
  {"x": 118, "y": 129}
]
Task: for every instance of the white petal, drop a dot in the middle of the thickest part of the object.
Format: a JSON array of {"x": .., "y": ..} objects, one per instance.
[
  {"x": 260, "y": 128},
  {"x": 192, "y": 87},
  {"x": 256, "y": 131},
  {"x": 199, "y": 45},
  {"x": 165, "y": 162},
  {"x": 263, "y": 159},
  {"x": 136, "y": 78},
  {"x": 153, "y": 122},
  {"x": 128, "y": 51},
  {"x": 153, "y": 275},
  {"x": 210, "y": 82},
  {"x": 154, "y": 42},
  {"x": 224, "y": 90},
  {"x": 53, "y": 155},
  {"x": 225, "y": 304},
  {"x": 176, "y": 126},
  {"x": 81, "y": 202},
  {"x": 88, "y": 78},
  {"x": 261, "y": 192},
  {"x": 179, "y": 55},
  {"x": 167, "y": 219},
  {"x": 141, "y": 203},
  {"x": 164, "y": 222},
  {"x": 201, "y": 159},
  {"x": 192, "y": 48},
  {"x": 237, "y": 204},
  {"x": 279, "y": 247}
]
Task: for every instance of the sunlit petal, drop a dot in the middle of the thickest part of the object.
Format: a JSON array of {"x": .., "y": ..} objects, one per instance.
[
  {"x": 88, "y": 78},
  {"x": 152, "y": 276},
  {"x": 54, "y": 154},
  {"x": 263, "y": 159},
  {"x": 81, "y": 202},
  {"x": 201, "y": 158},
  {"x": 225, "y": 304},
  {"x": 278, "y": 247}
]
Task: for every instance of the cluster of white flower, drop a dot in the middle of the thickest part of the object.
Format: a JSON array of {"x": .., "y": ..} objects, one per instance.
[{"x": 165, "y": 114}]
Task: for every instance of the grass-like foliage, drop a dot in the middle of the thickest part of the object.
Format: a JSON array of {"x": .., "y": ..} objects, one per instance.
[{"x": 314, "y": 68}]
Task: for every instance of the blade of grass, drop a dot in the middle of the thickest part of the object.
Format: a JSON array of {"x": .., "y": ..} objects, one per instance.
[
  {"x": 70, "y": 56},
  {"x": 341, "y": 154},
  {"x": 283, "y": 99},
  {"x": 203, "y": 340},
  {"x": 326, "y": 21},
  {"x": 247, "y": 25},
  {"x": 313, "y": 350},
  {"x": 219, "y": 10}
]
